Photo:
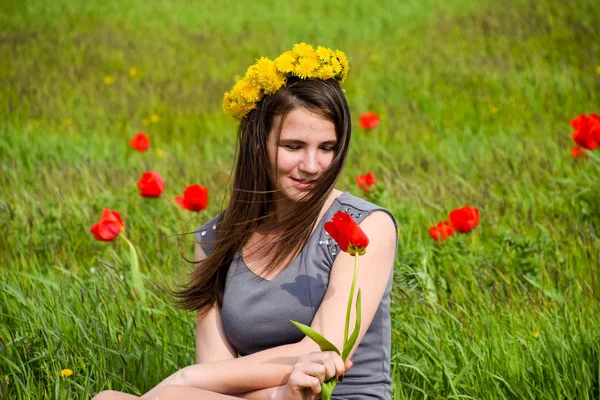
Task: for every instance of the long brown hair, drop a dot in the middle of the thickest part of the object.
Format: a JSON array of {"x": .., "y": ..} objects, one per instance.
[{"x": 252, "y": 199}]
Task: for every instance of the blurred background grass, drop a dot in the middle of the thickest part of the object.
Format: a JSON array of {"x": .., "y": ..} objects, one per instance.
[{"x": 476, "y": 99}]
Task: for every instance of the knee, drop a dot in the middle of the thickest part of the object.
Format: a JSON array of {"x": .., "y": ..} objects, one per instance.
[{"x": 112, "y": 395}]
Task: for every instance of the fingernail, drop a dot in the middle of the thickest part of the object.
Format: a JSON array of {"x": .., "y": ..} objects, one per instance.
[{"x": 341, "y": 378}]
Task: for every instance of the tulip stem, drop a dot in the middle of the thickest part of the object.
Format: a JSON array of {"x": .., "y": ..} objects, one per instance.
[
  {"x": 135, "y": 269},
  {"x": 351, "y": 298}
]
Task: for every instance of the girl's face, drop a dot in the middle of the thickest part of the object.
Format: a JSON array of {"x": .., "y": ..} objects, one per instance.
[{"x": 305, "y": 150}]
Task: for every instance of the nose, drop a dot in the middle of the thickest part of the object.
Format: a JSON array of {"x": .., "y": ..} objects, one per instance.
[{"x": 309, "y": 163}]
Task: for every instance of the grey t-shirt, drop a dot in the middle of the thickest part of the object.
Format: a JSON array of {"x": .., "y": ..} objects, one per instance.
[{"x": 257, "y": 312}]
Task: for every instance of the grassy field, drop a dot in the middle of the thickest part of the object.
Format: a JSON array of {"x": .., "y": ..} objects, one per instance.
[{"x": 476, "y": 99}]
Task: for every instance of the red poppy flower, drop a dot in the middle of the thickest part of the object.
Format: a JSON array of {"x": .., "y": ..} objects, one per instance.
[
  {"x": 140, "y": 142},
  {"x": 579, "y": 152},
  {"x": 109, "y": 226},
  {"x": 195, "y": 198},
  {"x": 464, "y": 219},
  {"x": 441, "y": 231},
  {"x": 369, "y": 120},
  {"x": 346, "y": 232},
  {"x": 151, "y": 184},
  {"x": 365, "y": 182},
  {"x": 587, "y": 131}
]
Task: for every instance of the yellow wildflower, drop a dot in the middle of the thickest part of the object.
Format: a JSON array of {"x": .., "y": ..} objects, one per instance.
[
  {"x": 268, "y": 77},
  {"x": 109, "y": 80},
  {"x": 146, "y": 122},
  {"x": 154, "y": 118},
  {"x": 493, "y": 109},
  {"x": 306, "y": 67},
  {"x": 325, "y": 72},
  {"x": 323, "y": 53},
  {"x": 286, "y": 62},
  {"x": 598, "y": 69},
  {"x": 133, "y": 72},
  {"x": 66, "y": 373},
  {"x": 344, "y": 63},
  {"x": 119, "y": 336},
  {"x": 68, "y": 122},
  {"x": 536, "y": 334},
  {"x": 303, "y": 49}
]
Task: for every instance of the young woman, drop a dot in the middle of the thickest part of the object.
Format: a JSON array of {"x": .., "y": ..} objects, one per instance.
[{"x": 267, "y": 260}]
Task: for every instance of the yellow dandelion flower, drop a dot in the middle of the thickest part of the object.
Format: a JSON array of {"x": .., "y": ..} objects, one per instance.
[
  {"x": 66, "y": 373},
  {"x": 159, "y": 153},
  {"x": 109, "y": 80},
  {"x": 68, "y": 122},
  {"x": 536, "y": 334},
  {"x": 335, "y": 64},
  {"x": 303, "y": 49},
  {"x": 323, "y": 53},
  {"x": 154, "y": 118},
  {"x": 247, "y": 90},
  {"x": 268, "y": 77},
  {"x": 306, "y": 67},
  {"x": 133, "y": 72},
  {"x": 286, "y": 62},
  {"x": 119, "y": 336},
  {"x": 344, "y": 63},
  {"x": 398, "y": 231},
  {"x": 325, "y": 72},
  {"x": 146, "y": 122},
  {"x": 493, "y": 109}
]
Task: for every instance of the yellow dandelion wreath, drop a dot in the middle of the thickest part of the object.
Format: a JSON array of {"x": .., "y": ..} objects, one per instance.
[{"x": 266, "y": 77}]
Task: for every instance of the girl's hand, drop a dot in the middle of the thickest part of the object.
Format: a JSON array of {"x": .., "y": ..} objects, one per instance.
[{"x": 309, "y": 372}]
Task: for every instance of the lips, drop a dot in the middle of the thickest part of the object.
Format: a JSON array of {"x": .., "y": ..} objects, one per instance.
[{"x": 304, "y": 183}]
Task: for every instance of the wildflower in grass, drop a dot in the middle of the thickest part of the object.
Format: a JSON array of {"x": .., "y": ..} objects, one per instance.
[
  {"x": 133, "y": 72},
  {"x": 351, "y": 239},
  {"x": 365, "y": 182},
  {"x": 145, "y": 122},
  {"x": 68, "y": 122},
  {"x": 441, "y": 231},
  {"x": 579, "y": 152},
  {"x": 160, "y": 153},
  {"x": 536, "y": 334},
  {"x": 140, "y": 142},
  {"x": 493, "y": 109},
  {"x": 151, "y": 184},
  {"x": 369, "y": 120},
  {"x": 195, "y": 198},
  {"x": 587, "y": 131},
  {"x": 66, "y": 373},
  {"x": 109, "y": 80},
  {"x": 154, "y": 118},
  {"x": 109, "y": 226},
  {"x": 464, "y": 219},
  {"x": 119, "y": 337}
]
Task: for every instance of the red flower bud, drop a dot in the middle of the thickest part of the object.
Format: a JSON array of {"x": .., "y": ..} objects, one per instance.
[
  {"x": 346, "y": 232},
  {"x": 109, "y": 226},
  {"x": 579, "y": 152},
  {"x": 195, "y": 198},
  {"x": 464, "y": 219},
  {"x": 140, "y": 142},
  {"x": 365, "y": 182},
  {"x": 369, "y": 120},
  {"x": 441, "y": 231},
  {"x": 151, "y": 184}
]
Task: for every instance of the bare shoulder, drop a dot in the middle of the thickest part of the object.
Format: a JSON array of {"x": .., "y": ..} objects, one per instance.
[{"x": 381, "y": 230}]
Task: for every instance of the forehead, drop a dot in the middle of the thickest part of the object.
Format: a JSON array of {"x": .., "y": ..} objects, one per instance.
[{"x": 300, "y": 124}]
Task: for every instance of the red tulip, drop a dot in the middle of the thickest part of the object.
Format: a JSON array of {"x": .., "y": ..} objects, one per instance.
[
  {"x": 194, "y": 198},
  {"x": 441, "y": 231},
  {"x": 348, "y": 235},
  {"x": 369, "y": 120},
  {"x": 587, "y": 131},
  {"x": 365, "y": 182},
  {"x": 109, "y": 226},
  {"x": 151, "y": 184},
  {"x": 464, "y": 219},
  {"x": 140, "y": 142},
  {"x": 579, "y": 152}
]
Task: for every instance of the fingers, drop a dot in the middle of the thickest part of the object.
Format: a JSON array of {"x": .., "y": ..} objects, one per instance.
[
  {"x": 333, "y": 363},
  {"x": 307, "y": 376}
]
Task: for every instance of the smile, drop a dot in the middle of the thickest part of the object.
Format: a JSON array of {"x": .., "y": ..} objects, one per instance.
[{"x": 304, "y": 184}]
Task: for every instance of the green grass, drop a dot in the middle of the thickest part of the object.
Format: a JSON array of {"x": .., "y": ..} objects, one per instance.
[{"x": 476, "y": 97}]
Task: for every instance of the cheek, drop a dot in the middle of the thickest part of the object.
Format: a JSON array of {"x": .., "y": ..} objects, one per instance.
[{"x": 285, "y": 161}]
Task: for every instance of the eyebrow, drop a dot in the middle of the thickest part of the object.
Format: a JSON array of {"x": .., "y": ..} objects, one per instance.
[{"x": 300, "y": 142}]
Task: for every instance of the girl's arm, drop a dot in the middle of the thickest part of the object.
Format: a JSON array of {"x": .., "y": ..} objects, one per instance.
[{"x": 272, "y": 367}]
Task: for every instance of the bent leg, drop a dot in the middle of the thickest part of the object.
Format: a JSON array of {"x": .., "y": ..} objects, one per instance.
[{"x": 177, "y": 392}]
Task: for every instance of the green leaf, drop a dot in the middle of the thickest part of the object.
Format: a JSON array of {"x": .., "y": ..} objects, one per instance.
[
  {"x": 352, "y": 339},
  {"x": 323, "y": 343},
  {"x": 327, "y": 388}
]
